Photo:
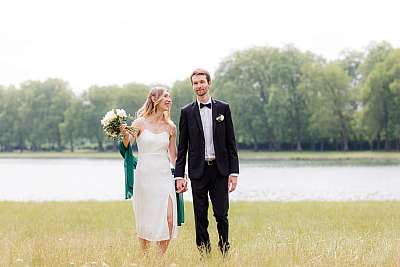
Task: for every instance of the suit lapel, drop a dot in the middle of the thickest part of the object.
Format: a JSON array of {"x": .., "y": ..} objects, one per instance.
[
  {"x": 196, "y": 111},
  {"x": 214, "y": 114}
]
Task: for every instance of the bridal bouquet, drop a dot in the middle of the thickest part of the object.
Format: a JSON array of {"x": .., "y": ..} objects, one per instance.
[{"x": 113, "y": 120}]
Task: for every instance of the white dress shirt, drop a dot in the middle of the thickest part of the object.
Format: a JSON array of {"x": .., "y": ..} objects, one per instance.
[{"x": 206, "y": 121}]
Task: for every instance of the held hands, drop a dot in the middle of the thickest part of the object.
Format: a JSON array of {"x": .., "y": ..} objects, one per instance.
[{"x": 181, "y": 184}]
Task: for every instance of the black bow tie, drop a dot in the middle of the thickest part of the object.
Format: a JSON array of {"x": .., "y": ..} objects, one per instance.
[{"x": 205, "y": 105}]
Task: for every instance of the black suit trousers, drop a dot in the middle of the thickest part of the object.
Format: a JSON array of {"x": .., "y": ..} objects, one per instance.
[{"x": 216, "y": 185}]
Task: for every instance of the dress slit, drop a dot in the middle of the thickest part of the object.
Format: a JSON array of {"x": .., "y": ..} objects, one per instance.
[{"x": 170, "y": 205}]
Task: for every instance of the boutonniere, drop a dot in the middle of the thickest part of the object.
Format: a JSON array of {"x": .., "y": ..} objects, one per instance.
[{"x": 220, "y": 118}]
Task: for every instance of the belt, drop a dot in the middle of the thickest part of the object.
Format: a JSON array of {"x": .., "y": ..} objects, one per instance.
[{"x": 210, "y": 162}]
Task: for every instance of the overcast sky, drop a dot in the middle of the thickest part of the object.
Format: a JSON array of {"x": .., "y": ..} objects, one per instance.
[{"x": 147, "y": 41}]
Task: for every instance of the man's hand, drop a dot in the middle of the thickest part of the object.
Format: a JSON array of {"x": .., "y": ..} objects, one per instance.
[
  {"x": 232, "y": 183},
  {"x": 181, "y": 185}
]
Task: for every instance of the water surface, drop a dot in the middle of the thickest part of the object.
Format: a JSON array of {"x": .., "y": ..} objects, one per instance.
[{"x": 103, "y": 179}]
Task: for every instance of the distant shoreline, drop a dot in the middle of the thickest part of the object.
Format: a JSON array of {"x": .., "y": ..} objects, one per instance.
[{"x": 243, "y": 155}]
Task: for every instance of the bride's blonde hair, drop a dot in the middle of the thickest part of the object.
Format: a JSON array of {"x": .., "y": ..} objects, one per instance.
[{"x": 152, "y": 101}]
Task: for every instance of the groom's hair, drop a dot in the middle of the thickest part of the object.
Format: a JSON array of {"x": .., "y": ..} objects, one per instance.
[{"x": 200, "y": 72}]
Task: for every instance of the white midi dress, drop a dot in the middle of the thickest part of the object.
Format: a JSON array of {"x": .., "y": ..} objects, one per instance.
[{"x": 154, "y": 184}]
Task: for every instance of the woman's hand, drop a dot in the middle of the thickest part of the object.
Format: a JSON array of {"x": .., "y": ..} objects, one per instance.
[
  {"x": 133, "y": 130},
  {"x": 181, "y": 184},
  {"x": 123, "y": 130}
]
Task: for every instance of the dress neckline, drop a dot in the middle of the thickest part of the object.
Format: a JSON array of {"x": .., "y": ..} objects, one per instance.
[{"x": 153, "y": 132}]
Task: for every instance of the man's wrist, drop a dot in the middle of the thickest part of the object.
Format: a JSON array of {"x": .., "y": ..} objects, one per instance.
[{"x": 234, "y": 174}]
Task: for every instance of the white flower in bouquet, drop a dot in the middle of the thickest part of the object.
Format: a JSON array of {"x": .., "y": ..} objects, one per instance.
[
  {"x": 112, "y": 121},
  {"x": 121, "y": 113}
]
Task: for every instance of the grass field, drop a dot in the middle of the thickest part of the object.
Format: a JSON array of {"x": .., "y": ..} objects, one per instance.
[
  {"x": 261, "y": 234},
  {"x": 243, "y": 154}
]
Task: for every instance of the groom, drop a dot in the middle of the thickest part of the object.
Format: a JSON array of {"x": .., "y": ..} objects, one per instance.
[{"x": 206, "y": 132}]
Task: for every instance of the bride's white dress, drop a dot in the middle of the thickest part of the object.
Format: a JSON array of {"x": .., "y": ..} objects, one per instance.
[{"x": 153, "y": 185}]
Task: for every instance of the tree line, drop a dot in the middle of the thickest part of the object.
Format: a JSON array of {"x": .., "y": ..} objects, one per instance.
[{"x": 281, "y": 99}]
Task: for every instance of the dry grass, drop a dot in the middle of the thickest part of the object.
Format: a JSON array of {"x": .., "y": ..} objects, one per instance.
[{"x": 261, "y": 234}]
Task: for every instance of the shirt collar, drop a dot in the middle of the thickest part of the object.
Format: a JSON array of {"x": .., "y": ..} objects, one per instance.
[{"x": 198, "y": 103}]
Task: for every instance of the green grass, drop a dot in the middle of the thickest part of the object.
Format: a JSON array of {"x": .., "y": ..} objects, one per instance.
[
  {"x": 261, "y": 234},
  {"x": 243, "y": 154}
]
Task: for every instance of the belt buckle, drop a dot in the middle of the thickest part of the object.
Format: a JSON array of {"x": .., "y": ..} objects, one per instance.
[{"x": 210, "y": 162}]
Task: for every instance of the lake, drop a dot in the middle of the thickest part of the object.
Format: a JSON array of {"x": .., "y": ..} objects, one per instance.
[{"x": 103, "y": 179}]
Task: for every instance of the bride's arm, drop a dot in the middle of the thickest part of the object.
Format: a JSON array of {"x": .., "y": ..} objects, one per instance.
[
  {"x": 172, "y": 146},
  {"x": 125, "y": 140}
]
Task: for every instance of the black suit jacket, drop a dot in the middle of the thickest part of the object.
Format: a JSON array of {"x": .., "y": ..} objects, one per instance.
[{"x": 191, "y": 141}]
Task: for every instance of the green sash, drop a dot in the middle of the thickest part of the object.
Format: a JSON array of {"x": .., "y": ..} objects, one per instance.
[
  {"x": 180, "y": 205},
  {"x": 130, "y": 162}
]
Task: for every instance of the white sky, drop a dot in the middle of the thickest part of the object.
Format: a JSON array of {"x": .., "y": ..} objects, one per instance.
[{"x": 120, "y": 41}]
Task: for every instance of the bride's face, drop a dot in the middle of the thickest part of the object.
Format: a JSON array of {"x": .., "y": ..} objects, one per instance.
[{"x": 165, "y": 103}]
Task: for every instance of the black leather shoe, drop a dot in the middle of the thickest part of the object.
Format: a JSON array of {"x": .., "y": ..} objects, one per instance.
[
  {"x": 224, "y": 248},
  {"x": 204, "y": 250}
]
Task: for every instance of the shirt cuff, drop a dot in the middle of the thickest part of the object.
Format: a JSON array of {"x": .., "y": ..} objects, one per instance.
[{"x": 234, "y": 174}]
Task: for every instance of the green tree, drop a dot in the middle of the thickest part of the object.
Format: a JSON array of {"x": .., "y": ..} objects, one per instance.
[
  {"x": 244, "y": 80},
  {"x": 97, "y": 101},
  {"x": 376, "y": 53},
  {"x": 42, "y": 110},
  {"x": 10, "y": 136},
  {"x": 329, "y": 101},
  {"x": 350, "y": 61},
  {"x": 182, "y": 94},
  {"x": 381, "y": 97},
  {"x": 72, "y": 127},
  {"x": 372, "y": 107},
  {"x": 287, "y": 73},
  {"x": 130, "y": 97}
]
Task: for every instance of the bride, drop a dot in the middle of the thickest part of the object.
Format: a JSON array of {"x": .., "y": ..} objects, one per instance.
[{"x": 154, "y": 191}]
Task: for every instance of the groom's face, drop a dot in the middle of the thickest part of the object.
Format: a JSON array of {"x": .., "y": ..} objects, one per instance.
[{"x": 200, "y": 85}]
